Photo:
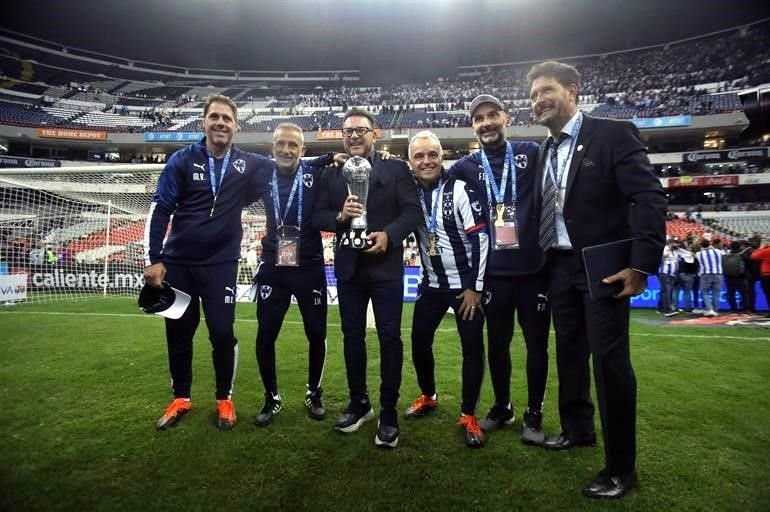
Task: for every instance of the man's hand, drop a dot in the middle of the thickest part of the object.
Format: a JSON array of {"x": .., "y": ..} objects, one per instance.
[
  {"x": 154, "y": 274},
  {"x": 634, "y": 282},
  {"x": 340, "y": 159},
  {"x": 352, "y": 208},
  {"x": 470, "y": 305},
  {"x": 384, "y": 155},
  {"x": 380, "y": 239}
]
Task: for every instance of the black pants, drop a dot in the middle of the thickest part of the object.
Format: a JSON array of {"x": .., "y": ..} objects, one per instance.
[
  {"x": 214, "y": 287},
  {"x": 275, "y": 286},
  {"x": 387, "y": 298},
  {"x": 526, "y": 297},
  {"x": 737, "y": 285},
  {"x": 751, "y": 294},
  {"x": 599, "y": 328},
  {"x": 429, "y": 308}
]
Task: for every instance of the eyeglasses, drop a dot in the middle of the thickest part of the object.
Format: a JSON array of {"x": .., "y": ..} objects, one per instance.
[{"x": 360, "y": 131}]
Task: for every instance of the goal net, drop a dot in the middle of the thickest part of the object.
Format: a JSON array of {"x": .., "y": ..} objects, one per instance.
[{"x": 70, "y": 233}]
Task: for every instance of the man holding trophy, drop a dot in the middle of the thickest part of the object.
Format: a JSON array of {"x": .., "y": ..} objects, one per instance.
[{"x": 372, "y": 207}]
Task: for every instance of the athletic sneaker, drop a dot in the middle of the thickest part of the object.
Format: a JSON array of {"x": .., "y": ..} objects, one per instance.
[
  {"x": 710, "y": 312},
  {"x": 671, "y": 313},
  {"x": 315, "y": 406},
  {"x": 497, "y": 417},
  {"x": 387, "y": 428},
  {"x": 271, "y": 408},
  {"x": 354, "y": 416},
  {"x": 474, "y": 436},
  {"x": 173, "y": 413},
  {"x": 422, "y": 406},
  {"x": 225, "y": 414},
  {"x": 532, "y": 428}
]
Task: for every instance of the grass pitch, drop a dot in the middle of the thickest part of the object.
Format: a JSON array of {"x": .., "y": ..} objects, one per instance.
[{"x": 81, "y": 385}]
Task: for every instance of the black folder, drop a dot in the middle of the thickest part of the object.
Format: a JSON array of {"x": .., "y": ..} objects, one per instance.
[{"x": 605, "y": 260}]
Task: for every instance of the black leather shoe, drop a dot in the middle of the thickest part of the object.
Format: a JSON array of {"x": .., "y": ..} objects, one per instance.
[
  {"x": 610, "y": 487},
  {"x": 566, "y": 441}
]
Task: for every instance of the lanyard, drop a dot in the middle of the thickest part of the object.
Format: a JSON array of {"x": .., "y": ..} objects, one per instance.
[
  {"x": 214, "y": 185},
  {"x": 430, "y": 222},
  {"x": 213, "y": 177},
  {"x": 277, "y": 202},
  {"x": 499, "y": 193},
  {"x": 557, "y": 175}
]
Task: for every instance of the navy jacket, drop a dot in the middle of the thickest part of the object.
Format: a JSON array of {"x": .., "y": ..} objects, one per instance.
[
  {"x": 311, "y": 249},
  {"x": 528, "y": 258},
  {"x": 198, "y": 236},
  {"x": 612, "y": 192}
]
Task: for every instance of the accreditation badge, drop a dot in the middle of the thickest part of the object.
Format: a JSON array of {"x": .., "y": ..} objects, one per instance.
[
  {"x": 504, "y": 230},
  {"x": 288, "y": 247}
]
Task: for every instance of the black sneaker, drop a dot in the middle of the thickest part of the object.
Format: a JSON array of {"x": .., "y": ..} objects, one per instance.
[
  {"x": 497, "y": 417},
  {"x": 315, "y": 407},
  {"x": 271, "y": 408},
  {"x": 387, "y": 428},
  {"x": 354, "y": 416},
  {"x": 532, "y": 428}
]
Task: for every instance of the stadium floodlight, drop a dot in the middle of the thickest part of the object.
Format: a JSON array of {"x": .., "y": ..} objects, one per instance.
[{"x": 76, "y": 232}]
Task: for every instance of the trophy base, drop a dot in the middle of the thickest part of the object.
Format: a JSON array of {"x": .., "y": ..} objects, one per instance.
[{"x": 355, "y": 239}]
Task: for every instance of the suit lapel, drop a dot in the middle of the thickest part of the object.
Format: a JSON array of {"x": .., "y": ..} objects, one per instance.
[{"x": 583, "y": 141}]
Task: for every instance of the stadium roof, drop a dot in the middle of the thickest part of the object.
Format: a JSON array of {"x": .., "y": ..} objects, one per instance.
[{"x": 414, "y": 40}]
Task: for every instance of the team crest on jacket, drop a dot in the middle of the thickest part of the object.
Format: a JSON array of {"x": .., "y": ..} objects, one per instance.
[
  {"x": 265, "y": 291},
  {"x": 476, "y": 206},
  {"x": 240, "y": 165},
  {"x": 520, "y": 161},
  {"x": 307, "y": 179},
  {"x": 448, "y": 203},
  {"x": 486, "y": 297}
]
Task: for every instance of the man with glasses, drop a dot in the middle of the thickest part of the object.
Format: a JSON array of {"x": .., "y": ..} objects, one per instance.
[{"x": 374, "y": 274}]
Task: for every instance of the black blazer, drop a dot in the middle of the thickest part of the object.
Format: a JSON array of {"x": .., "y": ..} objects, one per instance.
[
  {"x": 612, "y": 192},
  {"x": 392, "y": 207}
]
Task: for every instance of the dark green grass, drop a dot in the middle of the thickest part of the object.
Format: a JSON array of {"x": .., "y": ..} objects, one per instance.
[{"x": 82, "y": 384}]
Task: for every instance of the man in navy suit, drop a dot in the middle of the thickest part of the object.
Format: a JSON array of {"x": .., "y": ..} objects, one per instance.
[
  {"x": 375, "y": 274},
  {"x": 595, "y": 185}
]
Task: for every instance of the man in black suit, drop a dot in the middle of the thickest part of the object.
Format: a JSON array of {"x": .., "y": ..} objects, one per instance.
[
  {"x": 392, "y": 212},
  {"x": 596, "y": 185}
]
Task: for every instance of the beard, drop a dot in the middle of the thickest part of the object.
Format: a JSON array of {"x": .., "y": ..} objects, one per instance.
[{"x": 491, "y": 142}]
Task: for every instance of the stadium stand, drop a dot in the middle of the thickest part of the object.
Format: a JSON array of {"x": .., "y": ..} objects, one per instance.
[{"x": 647, "y": 82}]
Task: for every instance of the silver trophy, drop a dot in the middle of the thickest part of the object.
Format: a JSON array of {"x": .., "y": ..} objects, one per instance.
[{"x": 356, "y": 171}]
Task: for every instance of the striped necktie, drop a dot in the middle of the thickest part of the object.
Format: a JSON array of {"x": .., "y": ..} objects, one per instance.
[{"x": 548, "y": 211}]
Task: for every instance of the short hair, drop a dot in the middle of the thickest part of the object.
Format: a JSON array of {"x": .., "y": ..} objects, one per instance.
[
  {"x": 220, "y": 98},
  {"x": 359, "y": 112},
  {"x": 425, "y": 134},
  {"x": 565, "y": 74},
  {"x": 292, "y": 127},
  {"x": 704, "y": 243}
]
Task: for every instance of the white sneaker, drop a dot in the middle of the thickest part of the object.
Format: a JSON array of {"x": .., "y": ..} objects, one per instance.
[
  {"x": 710, "y": 313},
  {"x": 697, "y": 311}
]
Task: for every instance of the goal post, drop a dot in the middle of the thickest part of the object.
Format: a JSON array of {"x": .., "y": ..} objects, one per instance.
[{"x": 75, "y": 232}]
